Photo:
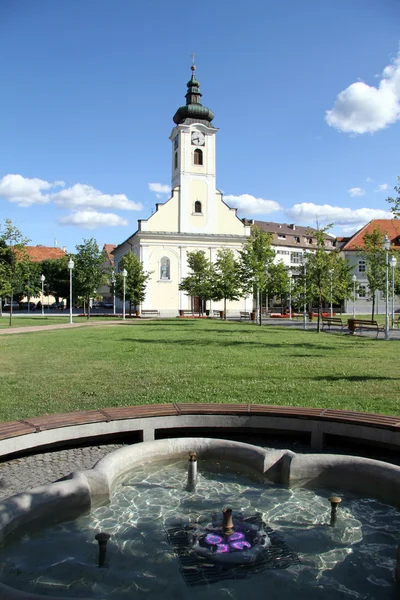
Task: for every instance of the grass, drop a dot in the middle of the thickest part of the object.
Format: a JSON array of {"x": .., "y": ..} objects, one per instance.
[
  {"x": 194, "y": 361},
  {"x": 39, "y": 320}
]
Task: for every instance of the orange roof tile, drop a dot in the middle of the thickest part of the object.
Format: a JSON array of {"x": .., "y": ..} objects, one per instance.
[
  {"x": 39, "y": 253},
  {"x": 108, "y": 248},
  {"x": 389, "y": 226}
]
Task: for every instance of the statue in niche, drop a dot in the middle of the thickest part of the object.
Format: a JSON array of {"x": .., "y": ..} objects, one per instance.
[{"x": 164, "y": 269}]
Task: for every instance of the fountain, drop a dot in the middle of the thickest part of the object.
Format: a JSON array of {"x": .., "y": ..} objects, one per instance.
[{"x": 234, "y": 523}]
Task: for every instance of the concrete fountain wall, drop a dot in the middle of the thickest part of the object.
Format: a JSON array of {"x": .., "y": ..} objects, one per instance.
[{"x": 86, "y": 489}]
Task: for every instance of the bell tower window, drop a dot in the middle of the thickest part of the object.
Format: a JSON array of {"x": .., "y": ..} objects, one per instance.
[
  {"x": 176, "y": 160},
  {"x": 198, "y": 157},
  {"x": 197, "y": 207}
]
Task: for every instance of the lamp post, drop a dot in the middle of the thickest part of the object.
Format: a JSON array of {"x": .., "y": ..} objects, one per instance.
[
  {"x": 331, "y": 276},
  {"x": 290, "y": 293},
  {"x": 305, "y": 291},
  {"x": 354, "y": 280},
  {"x": 70, "y": 267},
  {"x": 393, "y": 263},
  {"x": 113, "y": 285},
  {"x": 124, "y": 275},
  {"x": 386, "y": 247},
  {"x": 42, "y": 279}
]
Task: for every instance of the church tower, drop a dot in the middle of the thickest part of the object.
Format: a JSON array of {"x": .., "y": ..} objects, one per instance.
[{"x": 193, "y": 163}]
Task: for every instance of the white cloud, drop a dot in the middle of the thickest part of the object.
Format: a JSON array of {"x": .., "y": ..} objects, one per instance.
[
  {"x": 362, "y": 108},
  {"x": 81, "y": 195},
  {"x": 25, "y": 191},
  {"x": 92, "y": 219},
  {"x": 356, "y": 191},
  {"x": 369, "y": 180},
  {"x": 251, "y": 205},
  {"x": 382, "y": 187},
  {"x": 159, "y": 188},
  {"x": 308, "y": 213}
]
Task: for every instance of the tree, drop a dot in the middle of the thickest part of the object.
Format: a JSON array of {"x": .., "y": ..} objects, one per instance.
[
  {"x": 14, "y": 262},
  {"x": 88, "y": 270},
  {"x": 57, "y": 277},
  {"x": 277, "y": 280},
  {"x": 136, "y": 280},
  {"x": 255, "y": 259},
  {"x": 323, "y": 268},
  {"x": 226, "y": 282},
  {"x": 200, "y": 281},
  {"x": 375, "y": 259},
  {"x": 395, "y": 202}
]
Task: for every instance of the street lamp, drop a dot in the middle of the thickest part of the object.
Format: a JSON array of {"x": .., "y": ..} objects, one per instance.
[
  {"x": 42, "y": 279},
  {"x": 113, "y": 285},
  {"x": 124, "y": 275},
  {"x": 305, "y": 291},
  {"x": 393, "y": 263},
  {"x": 70, "y": 267},
  {"x": 290, "y": 293},
  {"x": 354, "y": 279},
  {"x": 386, "y": 247},
  {"x": 331, "y": 276}
]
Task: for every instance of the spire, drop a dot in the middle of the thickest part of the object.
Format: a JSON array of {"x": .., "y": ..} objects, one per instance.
[{"x": 193, "y": 111}]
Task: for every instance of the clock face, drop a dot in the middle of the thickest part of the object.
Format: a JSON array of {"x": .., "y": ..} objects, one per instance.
[{"x": 198, "y": 138}]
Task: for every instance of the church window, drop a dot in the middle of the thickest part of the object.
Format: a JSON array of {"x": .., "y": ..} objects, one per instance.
[
  {"x": 165, "y": 268},
  {"x": 198, "y": 157},
  {"x": 197, "y": 206},
  {"x": 176, "y": 160},
  {"x": 176, "y": 143}
]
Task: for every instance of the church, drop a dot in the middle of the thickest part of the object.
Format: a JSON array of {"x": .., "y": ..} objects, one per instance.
[{"x": 194, "y": 218}]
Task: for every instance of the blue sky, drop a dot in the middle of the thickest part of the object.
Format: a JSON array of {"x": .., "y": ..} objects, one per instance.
[{"x": 306, "y": 96}]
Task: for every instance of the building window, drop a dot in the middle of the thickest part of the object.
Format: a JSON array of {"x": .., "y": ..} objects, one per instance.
[
  {"x": 165, "y": 268},
  {"x": 297, "y": 239},
  {"x": 176, "y": 160},
  {"x": 282, "y": 252},
  {"x": 362, "y": 267},
  {"x": 296, "y": 258},
  {"x": 310, "y": 240},
  {"x": 281, "y": 236},
  {"x": 198, "y": 156},
  {"x": 197, "y": 207},
  {"x": 362, "y": 291}
]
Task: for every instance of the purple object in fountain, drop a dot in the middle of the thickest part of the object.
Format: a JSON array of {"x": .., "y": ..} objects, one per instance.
[
  {"x": 221, "y": 548},
  {"x": 213, "y": 539},
  {"x": 237, "y": 535},
  {"x": 240, "y": 545}
]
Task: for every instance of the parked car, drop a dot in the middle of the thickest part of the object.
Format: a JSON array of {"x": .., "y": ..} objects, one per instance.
[
  {"x": 58, "y": 305},
  {"x": 97, "y": 305},
  {"x": 107, "y": 304},
  {"x": 27, "y": 306},
  {"x": 15, "y": 306}
]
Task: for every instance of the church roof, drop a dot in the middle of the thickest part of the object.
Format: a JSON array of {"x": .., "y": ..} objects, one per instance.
[{"x": 193, "y": 111}]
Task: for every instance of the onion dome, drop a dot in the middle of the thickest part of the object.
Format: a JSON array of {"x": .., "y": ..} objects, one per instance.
[{"x": 193, "y": 111}]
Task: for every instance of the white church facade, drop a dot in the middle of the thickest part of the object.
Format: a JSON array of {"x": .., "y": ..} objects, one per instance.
[{"x": 194, "y": 218}]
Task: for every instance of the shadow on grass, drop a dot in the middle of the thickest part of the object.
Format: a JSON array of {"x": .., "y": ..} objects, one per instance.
[
  {"x": 225, "y": 343},
  {"x": 355, "y": 378}
]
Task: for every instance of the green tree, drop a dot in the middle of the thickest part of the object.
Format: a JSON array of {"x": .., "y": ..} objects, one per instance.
[
  {"x": 136, "y": 280},
  {"x": 375, "y": 259},
  {"x": 321, "y": 266},
  {"x": 200, "y": 281},
  {"x": 226, "y": 282},
  {"x": 88, "y": 271},
  {"x": 395, "y": 202},
  {"x": 57, "y": 277},
  {"x": 14, "y": 261},
  {"x": 277, "y": 281},
  {"x": 256, "y": 257}
]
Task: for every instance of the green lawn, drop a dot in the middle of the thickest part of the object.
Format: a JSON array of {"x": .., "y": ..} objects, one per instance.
[
  {"x": 39, "y": 320},
  {"x": 194, "y": 361}
]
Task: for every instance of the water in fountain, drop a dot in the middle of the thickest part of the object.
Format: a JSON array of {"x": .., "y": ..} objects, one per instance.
[{"x": 353, "y": 560}]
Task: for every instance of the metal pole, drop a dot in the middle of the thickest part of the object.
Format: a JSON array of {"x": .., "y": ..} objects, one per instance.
[
  {"x": 387, "y": 298},
  {"x": 42, "y": 297},
  {"x": 354, "y": 299},
  {"x": 123, "y": 305},
  {"x": 290, "y": 298},
  {"x": 331, "y": 295},
  {"x": 305, "y": 298},
  {"x": 393, "y": 265},
  {"x": 70, "y": 296},
  {"x": 114, "y": 298}
]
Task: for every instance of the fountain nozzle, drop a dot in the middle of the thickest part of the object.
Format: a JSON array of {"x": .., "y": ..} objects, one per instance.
[
  {"x": 102, "y": 539},
  {"x": 227, "y": 521},
  {"x": 192, "y": 471},
  {"x": 335, "y": 501}
]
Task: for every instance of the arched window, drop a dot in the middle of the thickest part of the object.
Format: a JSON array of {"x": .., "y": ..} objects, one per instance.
[
  {"x": 176, "y": 160},
  {"x": 165, "y": 268},
  {"x": 198, "y": 157},
  {"x": 197, "y": 206}
]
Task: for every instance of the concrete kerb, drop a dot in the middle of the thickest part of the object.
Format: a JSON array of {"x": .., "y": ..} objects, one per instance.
[{"x": 88, "y": 488}]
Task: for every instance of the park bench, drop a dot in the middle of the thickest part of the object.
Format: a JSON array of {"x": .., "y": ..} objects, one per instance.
[
  {"x": 396, "y": 322},
  {"x": 244, "y": 315},
  {"x": 333, "y": 322},
  {"x": 216, "y": 313},
  {"x": 188, "y": 313},
  {"x": 149, "y": 313},
  {"x": 364, "y": 324}
]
